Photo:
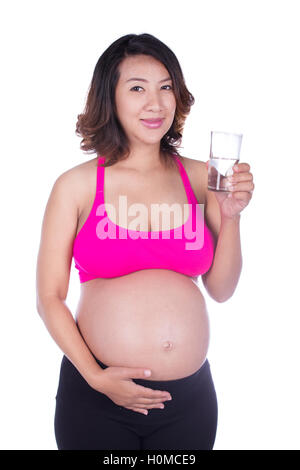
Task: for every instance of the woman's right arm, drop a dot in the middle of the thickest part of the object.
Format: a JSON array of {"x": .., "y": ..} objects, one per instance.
[{"x": 53, "y": 273}]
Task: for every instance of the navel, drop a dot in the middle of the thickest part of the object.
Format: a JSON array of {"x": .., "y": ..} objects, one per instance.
[{"x": 168, "y": 345}]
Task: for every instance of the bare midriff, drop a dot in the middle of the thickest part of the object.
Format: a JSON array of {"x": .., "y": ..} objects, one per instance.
[{"x": 152, "y": 318}]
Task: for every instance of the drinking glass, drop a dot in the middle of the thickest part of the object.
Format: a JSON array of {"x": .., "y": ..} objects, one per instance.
[{"x": 224, "y": 154}]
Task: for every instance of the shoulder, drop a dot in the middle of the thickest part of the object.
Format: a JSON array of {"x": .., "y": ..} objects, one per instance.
[
  {"x": 193, "y": 164},
  {"x": 74, "y": 182}
]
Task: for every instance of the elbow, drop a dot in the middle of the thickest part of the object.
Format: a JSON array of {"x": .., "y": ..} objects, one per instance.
[
  {"x": 223, "y": 299},
  {"x": 42, "y": 305},
  {"x": 48, "y": 303},
  {"x": 219, "y": 296},
  {"x": 221, "y": 291}
]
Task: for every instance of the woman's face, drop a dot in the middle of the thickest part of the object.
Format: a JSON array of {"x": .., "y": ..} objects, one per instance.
[{"x": 150, "y": 97}]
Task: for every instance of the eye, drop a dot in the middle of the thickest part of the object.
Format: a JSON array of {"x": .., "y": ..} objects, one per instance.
[
  {"x": 170, "y": 87},
  {"x": 135, "y": 87}
]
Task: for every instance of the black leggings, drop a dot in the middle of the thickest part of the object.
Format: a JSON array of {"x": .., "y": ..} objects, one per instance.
[{"x": 88, "y": 419}]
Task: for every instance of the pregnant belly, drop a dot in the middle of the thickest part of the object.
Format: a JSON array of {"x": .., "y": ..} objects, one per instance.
[{"x": 154, "y": 319}]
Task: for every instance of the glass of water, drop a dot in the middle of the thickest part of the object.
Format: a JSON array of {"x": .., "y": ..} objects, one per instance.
[{"x": 224, "y": 154}]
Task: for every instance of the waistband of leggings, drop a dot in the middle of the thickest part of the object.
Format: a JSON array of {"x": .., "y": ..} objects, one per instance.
[{"x": 200, "y": 373}]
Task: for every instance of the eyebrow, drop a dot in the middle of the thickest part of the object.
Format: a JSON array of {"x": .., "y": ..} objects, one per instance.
[{"x": 135, "y": 79}]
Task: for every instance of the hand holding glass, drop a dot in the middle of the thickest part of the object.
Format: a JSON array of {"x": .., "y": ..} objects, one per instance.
[{"x": 224, "y": 154}]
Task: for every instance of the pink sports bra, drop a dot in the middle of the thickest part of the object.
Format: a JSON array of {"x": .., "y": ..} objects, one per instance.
[{"x": 103, "y": 249}]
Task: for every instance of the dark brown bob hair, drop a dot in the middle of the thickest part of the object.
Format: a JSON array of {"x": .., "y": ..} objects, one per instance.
[{"x": 99, "y": 125}]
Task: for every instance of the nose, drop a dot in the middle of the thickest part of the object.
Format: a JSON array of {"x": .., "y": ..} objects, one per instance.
[{"x": 154, "y": 101}]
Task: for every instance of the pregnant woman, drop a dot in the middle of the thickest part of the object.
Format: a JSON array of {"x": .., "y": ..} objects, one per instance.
[{"x": 140, "y": 306}]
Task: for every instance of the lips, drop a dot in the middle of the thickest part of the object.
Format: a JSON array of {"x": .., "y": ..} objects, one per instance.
[
  {"x": 152, "y": 123},
  {"x": 153, "y": 120}
]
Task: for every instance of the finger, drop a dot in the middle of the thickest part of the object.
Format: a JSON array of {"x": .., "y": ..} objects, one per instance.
[
  {"x": 149, "y": 405},
  {"x": 149, "y": 401},
  {"x": 157, "y": 405},
  {"x": 240, "y": 167},
  {"x": 243, "y": 186},
  {"x": 237, "y": 177},
  {"x": 244, "y": 196},
  {"x": 152, "y": 394}
]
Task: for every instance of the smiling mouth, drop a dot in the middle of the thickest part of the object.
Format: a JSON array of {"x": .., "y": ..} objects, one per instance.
[
  {"x": 152, "y": 120},
  {"x": 153, "y": 123}
]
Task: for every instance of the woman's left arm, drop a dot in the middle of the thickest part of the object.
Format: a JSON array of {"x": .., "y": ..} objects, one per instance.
[{"x": 223, "y": 216}]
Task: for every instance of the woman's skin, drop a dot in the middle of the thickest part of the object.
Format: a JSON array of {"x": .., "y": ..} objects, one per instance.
[{"x": 153, "y": 318}]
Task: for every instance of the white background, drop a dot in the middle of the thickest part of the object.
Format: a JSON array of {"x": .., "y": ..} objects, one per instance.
[{"x": 240, "y": 61}]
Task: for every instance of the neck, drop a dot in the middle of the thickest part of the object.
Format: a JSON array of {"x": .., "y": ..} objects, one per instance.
[{"x": 144, "y": 161}]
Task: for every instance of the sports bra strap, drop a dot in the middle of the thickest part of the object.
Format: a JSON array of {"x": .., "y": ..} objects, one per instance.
[
  {"x": 100, "y": 175},
  {"x": 188, "y": 188}
]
